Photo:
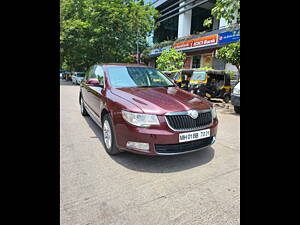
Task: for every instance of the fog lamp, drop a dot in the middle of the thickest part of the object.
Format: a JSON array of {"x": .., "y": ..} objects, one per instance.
[{"x": 137, "y": 145}]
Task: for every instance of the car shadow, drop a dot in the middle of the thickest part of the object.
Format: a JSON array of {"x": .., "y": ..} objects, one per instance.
[{"x": 156, "y": 164}]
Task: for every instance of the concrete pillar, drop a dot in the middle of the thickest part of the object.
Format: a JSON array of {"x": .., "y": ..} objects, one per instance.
[
  {"x": 215, "y": 23},
  {"x": 184, "y": 21}
]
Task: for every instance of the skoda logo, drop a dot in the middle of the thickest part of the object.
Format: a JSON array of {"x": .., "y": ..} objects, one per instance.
[{"x": 193, "y": 113}]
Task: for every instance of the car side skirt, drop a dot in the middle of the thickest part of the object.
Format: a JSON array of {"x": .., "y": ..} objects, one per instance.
[{"x": 93, "y": 115}]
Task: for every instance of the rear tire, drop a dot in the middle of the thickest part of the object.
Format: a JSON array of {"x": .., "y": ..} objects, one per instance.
[
  {"x": 82, "y": 108},
  {"x": 109, "y": 136}
]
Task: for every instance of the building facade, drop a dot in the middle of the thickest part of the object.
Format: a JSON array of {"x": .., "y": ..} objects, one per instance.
[{"x": 181, "y": 27}]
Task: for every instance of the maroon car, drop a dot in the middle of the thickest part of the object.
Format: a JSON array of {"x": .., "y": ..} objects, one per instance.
[{"x": 141, "y": 110}]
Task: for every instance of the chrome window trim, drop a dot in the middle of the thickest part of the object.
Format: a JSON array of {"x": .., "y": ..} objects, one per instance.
[{"x": 186, "y": 113}]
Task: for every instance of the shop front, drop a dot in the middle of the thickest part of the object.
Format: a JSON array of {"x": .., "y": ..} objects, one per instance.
[
  {"x": 199, "y": 59},
  {"x": 199, "y": 51}
]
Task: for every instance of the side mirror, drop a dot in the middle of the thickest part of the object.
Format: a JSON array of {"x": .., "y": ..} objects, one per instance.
[{"x": 94, "y": 82}]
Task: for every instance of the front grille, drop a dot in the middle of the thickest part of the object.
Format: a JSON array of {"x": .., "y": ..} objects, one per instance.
[
  {"x": 185, "y": 122},
  {"x": 183, "y": 147}
]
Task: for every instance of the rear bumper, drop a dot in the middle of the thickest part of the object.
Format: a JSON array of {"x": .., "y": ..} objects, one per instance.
[{"x": 162, "y": 140}]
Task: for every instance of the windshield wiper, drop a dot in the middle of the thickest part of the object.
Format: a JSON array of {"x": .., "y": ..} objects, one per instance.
[
  {"x": 143, "y": 86},
  {"x": 150, "y": 86}
]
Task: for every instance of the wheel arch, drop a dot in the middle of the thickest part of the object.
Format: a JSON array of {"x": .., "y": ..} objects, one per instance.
[
  {"x": 80, "y": 95},
  {"x": 104, "y": 112}
]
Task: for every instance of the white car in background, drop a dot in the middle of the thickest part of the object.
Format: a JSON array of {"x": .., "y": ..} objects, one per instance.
[
  {"x": 77, "y": 77},
  {"x": 235, "y": 98}
]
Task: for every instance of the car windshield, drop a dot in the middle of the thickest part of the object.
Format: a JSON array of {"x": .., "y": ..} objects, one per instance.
[
  {"x": 122, "y": 76},
  {"x": 201, "y": 76},
  {"x": 80, "y": 74}
]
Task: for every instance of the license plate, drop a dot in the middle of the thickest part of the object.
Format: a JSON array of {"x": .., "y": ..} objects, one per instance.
[{"x": 195, "y": 135}]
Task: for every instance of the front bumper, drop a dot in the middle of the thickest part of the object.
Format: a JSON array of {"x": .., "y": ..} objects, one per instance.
[
  {"x": 235, "y": 100},
  {"x": 162, "y": 140}
]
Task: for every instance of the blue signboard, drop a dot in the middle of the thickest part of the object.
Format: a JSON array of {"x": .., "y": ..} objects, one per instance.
[
  {"x": 228, "y": 37},
  {"x": 157, "y": 51}
]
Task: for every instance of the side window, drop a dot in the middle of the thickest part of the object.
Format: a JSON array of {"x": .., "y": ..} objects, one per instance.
[
  {"x": 99, "y": 73},
  {"x": 92, "y": 72},
  {"x": 88, "y": 73}
]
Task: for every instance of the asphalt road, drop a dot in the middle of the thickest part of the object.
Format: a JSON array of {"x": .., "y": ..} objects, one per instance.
[{"x": 95, "y": 188}]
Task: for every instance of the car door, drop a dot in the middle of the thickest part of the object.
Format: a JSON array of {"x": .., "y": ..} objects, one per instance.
[
  {"x": 85, "y": 90},
  {"x": 97, "y": 92}
]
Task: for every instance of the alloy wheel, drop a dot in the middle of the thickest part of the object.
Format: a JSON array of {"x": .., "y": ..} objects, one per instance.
[
  {"x": 107, "y": 134},
  {"x": 81, "y": 105}
]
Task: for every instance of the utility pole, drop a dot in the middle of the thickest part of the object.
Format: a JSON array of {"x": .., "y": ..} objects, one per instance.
[{"x": 137, "y": 48}]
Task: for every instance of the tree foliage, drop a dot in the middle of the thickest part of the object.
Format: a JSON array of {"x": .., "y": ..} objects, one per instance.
[
  {"x": 102, "y": 31},
  {"x": 170, "y": 60},
  {"x": 227, "y": 9},
  {"x": 230, "y": 54}
]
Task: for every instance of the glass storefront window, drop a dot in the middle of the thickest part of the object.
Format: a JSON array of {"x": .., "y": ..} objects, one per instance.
[{"x": 196, "y": 61}]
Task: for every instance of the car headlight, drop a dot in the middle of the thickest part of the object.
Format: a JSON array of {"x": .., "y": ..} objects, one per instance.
[
  {"x": 214, "y": 112},
  {"x": 140, "y": 120},
  {"x": 236, "y": 91}
]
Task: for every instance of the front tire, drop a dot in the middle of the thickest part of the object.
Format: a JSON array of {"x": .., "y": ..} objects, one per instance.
[
  {"x": 109, "y": 136},
  {"x": 237, "y": 109}
]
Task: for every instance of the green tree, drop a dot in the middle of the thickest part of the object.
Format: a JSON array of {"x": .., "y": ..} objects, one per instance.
[
  {"x": 230, "y": 54},
  {"x": 170, "y": 60},
  {"x": 102, "y": 31},
  {"x": 227, "y": 9}
]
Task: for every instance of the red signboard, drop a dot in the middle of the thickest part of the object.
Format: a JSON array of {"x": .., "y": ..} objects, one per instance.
[
  {"x": 184, "y": 44},
  {"x": 197, "y": 43}
]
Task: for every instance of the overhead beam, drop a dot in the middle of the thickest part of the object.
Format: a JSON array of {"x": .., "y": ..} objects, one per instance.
[{"x": 183, "y": 11}]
